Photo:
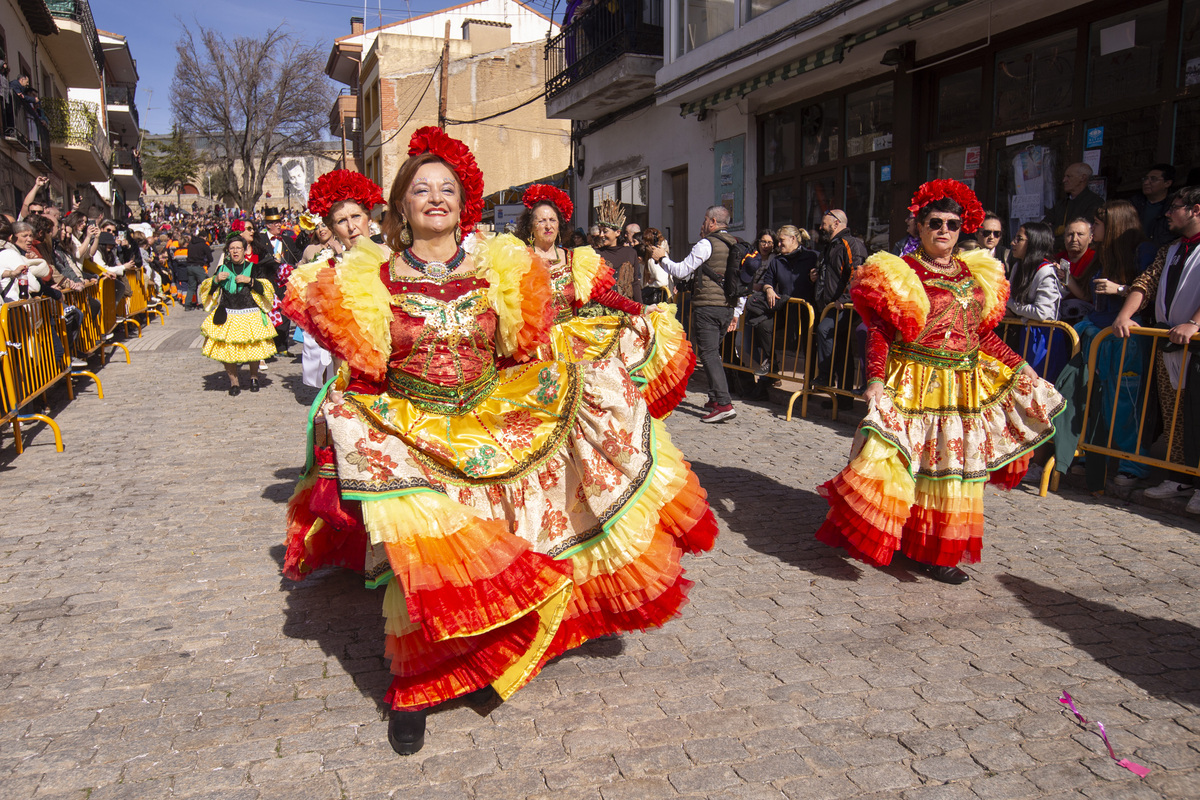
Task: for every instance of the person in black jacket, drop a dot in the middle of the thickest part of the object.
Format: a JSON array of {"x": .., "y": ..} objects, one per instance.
[
  {"x": 787, "y": 275},
  {"x": 842, "y": 254},
  {"x": 199, "y": 256}
]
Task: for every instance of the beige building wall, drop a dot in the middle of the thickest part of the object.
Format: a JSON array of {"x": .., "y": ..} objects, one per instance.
[{"x": 512, "y": 149}]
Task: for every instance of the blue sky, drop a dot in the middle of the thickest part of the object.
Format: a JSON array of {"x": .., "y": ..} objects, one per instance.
[{"x": 153, "y": 26}]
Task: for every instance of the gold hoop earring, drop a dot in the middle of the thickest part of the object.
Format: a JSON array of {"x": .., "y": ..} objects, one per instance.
[
  {"x": 457, "y": 235},
  {"x": 406, "y": 237}
]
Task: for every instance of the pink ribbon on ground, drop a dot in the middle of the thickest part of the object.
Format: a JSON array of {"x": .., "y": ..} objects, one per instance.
[{"x": 1135, "y": 768}]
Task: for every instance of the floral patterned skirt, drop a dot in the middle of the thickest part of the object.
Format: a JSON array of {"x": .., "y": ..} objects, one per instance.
[
  {"x": 921, "y": 456},
  {"x": 510, "y": 520}
]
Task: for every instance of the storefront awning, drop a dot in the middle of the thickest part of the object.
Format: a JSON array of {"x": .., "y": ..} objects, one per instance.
[{"x": 821, "y": 58}]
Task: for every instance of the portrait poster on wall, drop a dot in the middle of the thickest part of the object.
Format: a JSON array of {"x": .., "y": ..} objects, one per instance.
[{"x": 729, "y": 161}]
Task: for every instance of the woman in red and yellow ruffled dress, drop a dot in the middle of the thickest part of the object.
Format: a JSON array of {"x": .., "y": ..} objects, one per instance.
[
  {"x": 950, "y": 406},
  {"x": 512, "y": 513},
  {"x": 592, "y": 321}
]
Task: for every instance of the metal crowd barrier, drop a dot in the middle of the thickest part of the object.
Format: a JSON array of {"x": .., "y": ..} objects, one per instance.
[
  {"x": 37, "y": 355},
  {"x": 1172, "y": 429},
  {"x": 97, "y": 328},
  {"x": 1055, "y": 331},
  {"x": 138, "y": 302},
  {"x": 849, "y": 373},
  {"x": 790, "y": 344}
]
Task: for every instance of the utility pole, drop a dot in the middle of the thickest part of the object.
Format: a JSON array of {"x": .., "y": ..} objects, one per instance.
[{"x": 444, "y": 77}]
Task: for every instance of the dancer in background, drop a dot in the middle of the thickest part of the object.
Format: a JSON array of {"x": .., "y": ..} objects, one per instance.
[
  {"x": 236, "y": 330},
  {"x": 950, "y": 406}
]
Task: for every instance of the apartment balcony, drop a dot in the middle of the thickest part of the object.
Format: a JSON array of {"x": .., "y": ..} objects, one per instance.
[
  {"x": 127, "y": 171},
  {"x": 78, "y": 143},
  {"x": 604, "y": 59},
  {"x": 122, "y": 112},
  {"x": 76, "y": 47},
  {"x": 25, "y": 130},
  {"x": 343, "y": 117}
]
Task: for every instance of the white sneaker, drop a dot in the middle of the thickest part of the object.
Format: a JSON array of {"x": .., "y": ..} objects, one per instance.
[
  {"x": 1124, "y": 481},
  {"x": 1168, "y": 489}
]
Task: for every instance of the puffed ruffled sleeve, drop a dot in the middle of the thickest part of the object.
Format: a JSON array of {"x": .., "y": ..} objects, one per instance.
[
  {"x": 349, "y": 309},
  {"x": 887, "y": 288},
  {"x": 593, "y": 280},
  {"x": 520, "y": 292}
]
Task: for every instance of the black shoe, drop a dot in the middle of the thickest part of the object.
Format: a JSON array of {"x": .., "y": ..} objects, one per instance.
[
  {"x": 481, "y": 698},
  {"x": 269, "y": 360},
  {"x": 951, "y": 575},
  {"x": 406, "y": 731},
  {"x": 234, "y": 391},
  {"x": 254, "y": 384}
]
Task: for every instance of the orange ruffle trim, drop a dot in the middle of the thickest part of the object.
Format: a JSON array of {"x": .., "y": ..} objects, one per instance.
[
  {"x": 537, "y": 309},
  {"x": 337, "y": 330},
  {"x": 670, "y": 367}
]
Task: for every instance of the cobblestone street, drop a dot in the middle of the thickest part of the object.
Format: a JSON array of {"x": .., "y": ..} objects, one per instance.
[{"x": 150, "y": 648}]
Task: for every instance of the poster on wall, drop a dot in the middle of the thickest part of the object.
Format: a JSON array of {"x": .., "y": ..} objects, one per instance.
[{"x": 729, "y": 161}]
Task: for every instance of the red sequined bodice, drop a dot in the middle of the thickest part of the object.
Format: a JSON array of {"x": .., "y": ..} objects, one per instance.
[
  {"x": 442, "y": 333},
  {"x": 956, "y": 303}
]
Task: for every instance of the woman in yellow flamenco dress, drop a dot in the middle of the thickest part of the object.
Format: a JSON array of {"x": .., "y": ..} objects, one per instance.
[
  {"x": 950, "y": 406},
  {"x": 511, "y": 512},
  {"x": 236, "y": 330},
  {"x": 591, "y": 320}
]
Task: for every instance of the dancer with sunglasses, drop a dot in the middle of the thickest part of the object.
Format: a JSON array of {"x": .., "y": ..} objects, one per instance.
[{"x": 950, "y": 406}]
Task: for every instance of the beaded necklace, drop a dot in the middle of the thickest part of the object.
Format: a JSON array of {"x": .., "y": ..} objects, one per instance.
[
  {"x": 932, "y": 266},
  {"x": 437, "y": 270}
]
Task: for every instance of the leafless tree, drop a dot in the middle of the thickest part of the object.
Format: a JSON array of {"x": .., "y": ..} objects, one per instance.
[{"x": 250, "y": 101}]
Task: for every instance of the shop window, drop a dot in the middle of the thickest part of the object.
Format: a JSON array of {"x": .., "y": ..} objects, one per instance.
[
  {"x": 868, "y": 203},
  {"x": 869, "y": 120},
  {"x": 1130, "y": 145},
  {"x": 956, "y": 163},
  {"x": 1189, "y": 45},
  {"x": 958, "y": 102},
  {"x": 781, "y": 207},
  {"x": 819, "y": 131},
  {"x": 820, "y": 195},
  {"x": 1186, "y": 149},
  {"x": 1034, "y": 80},
  {"x": 630, "y": 191},
  {"x": 701, "y": 21},
  {"x": 779, "y": 143},
  {"x": 1125, "y": 54},
  {"x": 756, "y": 7}
]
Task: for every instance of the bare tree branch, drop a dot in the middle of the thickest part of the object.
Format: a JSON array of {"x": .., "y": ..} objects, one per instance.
[{"x": 251, "y": 101}]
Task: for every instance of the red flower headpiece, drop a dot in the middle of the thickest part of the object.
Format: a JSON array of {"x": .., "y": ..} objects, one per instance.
[
  {"x": 342, "y": 184},
  {"x": 972, "y": 215},
  {"x": 237, "y": 225},
  {"x": 456, "y": 154},
  {"x": 543, "y": 193}
]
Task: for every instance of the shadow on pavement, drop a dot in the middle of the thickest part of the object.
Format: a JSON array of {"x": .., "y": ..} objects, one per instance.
[
  {"x": 281, "y": 492},
  {"x": 1161, "y": 656},
  {"x": 304, "y": 394},
  {"x": 774, "y": 519},
  {"x": 219, "y": 381}
]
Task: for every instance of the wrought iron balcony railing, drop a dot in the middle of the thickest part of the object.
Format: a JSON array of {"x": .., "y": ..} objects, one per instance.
[
  {"x": 121, "y": 96},
  {"x": 599, "y": 36},
  {"x": 80, "y": 11},
  {"x": 125, "y": 159}
]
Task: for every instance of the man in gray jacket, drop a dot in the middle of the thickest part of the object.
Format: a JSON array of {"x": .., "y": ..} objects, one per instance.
[{"x": 712, "y": 316}]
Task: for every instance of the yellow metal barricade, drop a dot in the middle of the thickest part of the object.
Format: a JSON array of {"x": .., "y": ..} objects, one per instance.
[
  {"x": 1162, "y": 352},
  {"x": 741, "y": 350},
  {"x": 1057, "y": 333},
  {"x": 844, "y": 357},
  {"x": 108, "y": 315},
  {"x": 36, "y": 358},
  {"x": 91, "y": 335}
]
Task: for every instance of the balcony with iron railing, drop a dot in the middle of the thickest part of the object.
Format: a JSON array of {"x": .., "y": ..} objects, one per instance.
[
  {"x": 78, "y": 138},
  {"x": 127, "y": 169},
  {"x": 604, "y": 59},
  {"x": 76, "y": 47},
  {"x": 25, "y": 129},
  {"x": 119, "y": 100}
]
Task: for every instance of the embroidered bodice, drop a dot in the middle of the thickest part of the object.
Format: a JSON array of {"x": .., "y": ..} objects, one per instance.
[
  {"x": 442, "y": 333},
  {"x": 563, "y": 287},
  {"x": 955, "y": 308}
]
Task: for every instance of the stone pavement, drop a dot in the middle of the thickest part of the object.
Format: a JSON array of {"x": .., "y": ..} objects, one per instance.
[{"x": 150, "y": 648}]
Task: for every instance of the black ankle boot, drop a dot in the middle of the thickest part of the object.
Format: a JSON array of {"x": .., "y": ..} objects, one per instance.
[
  {"x": 406, "y": 731},
  {"x": 951, "y": 575}
]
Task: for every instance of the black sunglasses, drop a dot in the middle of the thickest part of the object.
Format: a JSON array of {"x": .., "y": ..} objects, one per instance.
[
  {"x": 988, "y": 234},
  {"x": 935, "y": 224}
]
